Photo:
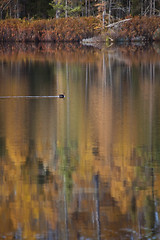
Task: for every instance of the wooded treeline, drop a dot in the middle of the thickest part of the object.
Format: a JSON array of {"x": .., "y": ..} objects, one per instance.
[{"x": 65, "y": 8}]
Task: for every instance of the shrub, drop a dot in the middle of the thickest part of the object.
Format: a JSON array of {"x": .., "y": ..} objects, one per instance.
[
  {"x": 139, "y": 28},
  {"x": 63, "y": 29}
]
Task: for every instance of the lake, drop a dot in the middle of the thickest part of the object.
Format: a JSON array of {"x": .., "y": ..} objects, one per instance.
[{"x": 87, "y": 166}]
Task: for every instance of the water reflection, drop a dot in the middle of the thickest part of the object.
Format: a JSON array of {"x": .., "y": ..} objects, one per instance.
[{"x": 87, "y": 166}]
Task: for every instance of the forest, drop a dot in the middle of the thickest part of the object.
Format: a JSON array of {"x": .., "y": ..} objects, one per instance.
[{"x": 66, "y": 8}]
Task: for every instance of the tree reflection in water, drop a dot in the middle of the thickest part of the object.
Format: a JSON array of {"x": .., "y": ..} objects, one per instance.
[{"x": 87, "y": 166}]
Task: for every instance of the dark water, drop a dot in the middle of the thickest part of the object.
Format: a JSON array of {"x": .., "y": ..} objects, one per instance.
[{"x": 85, "y": 167}]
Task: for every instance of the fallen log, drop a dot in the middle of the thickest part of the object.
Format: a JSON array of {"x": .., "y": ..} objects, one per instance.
[{"x": 117, "y": 23}]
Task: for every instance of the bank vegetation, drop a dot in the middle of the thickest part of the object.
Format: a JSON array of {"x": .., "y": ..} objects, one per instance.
[
  {"x": 53, "y": 30},
  {"x": 138, "y": 28},
  {"x": 73, "y": 21},
  {"x": 146, "y": 29}
]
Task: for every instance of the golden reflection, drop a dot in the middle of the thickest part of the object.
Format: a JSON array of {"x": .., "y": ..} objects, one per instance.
[{"x": 86, "y": 165}]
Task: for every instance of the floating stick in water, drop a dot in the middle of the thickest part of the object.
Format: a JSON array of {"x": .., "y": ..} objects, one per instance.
[{"x": 59, "y": 96}]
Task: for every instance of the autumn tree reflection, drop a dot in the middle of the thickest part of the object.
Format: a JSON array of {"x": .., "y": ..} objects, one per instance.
[{"x": 86, "y": 166}]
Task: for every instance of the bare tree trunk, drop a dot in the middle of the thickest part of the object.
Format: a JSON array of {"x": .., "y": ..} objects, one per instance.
[
  {"x": 129, "y": 6},
  {"x": 86, "y": 7},
  {"x": 110, "y": 6},
  {"x": 17, "y": 10},
  {"x": 103, "y": 13},
  {"x": 154, "y": 6},
  {"x": 141, "y": 7},
  {"x": 57, "y": 11},
  {"x": 145, "y": 7},
  {"x": 89, "y": 7},
  {"x": 151, "y": 8},
  {"x": 82, "y": 9},
  {"x": 1, "y": 13},
  {"x": 66, "y": 13}
]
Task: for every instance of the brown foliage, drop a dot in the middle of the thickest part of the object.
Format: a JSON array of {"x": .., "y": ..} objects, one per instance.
[
  {"x": 139, "y": 28},
  {"x": 64, "y": 29}
]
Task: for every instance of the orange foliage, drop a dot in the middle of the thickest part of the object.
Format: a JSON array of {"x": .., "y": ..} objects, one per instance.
[
  {"x": 139, "y": 28},
  {"x": 55, "y": 30}
]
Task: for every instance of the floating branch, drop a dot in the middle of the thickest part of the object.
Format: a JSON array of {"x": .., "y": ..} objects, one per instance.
[{"x": 59, "y": 96}]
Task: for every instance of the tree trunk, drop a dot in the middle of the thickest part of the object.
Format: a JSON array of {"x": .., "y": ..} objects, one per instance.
[
  {"x": 129, "y": 6},
  {"x": 17, "y": 9},
  {"x": 154, "y": 6},
  {"x": 89, "y": 7},
  {"x": 141, "y": 7},
  {"x": 110, "y": 6},
  {"x": 82, "y": 9},
  {"x": 1, "y": 14},
  {"x": 86, "y": 7},
  {"x": 103, "y": 13},
  {"x": 151, "y": 8},
  {"x": 145, "y": 5},
  {"x": 10, "y": 12},
  {"x": 66, "y": 13},
  {"x": 57, "y": 11}
]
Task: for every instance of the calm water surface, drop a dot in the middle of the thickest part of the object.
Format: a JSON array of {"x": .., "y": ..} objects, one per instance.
[{"x": 86, "y": 167}]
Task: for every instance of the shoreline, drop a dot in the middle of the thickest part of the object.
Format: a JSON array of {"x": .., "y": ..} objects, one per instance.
[
  {"x": 48, "y": 30},
  {"x": 80, "y": 29}
]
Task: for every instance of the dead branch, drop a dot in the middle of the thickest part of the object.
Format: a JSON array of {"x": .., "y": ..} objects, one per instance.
[{"x": 117, "y": 23}]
